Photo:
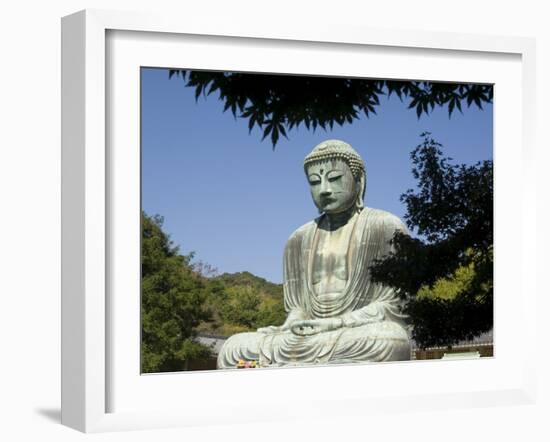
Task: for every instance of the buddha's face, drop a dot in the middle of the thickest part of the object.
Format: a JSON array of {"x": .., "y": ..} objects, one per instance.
[{"x": 333, "y": 186}]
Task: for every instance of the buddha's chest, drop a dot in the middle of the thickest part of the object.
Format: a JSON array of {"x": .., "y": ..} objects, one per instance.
[{"x": 330, "y": 259}]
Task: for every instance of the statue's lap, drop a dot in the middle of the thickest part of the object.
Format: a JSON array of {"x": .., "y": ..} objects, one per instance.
[{"x": 376, "y": 342}]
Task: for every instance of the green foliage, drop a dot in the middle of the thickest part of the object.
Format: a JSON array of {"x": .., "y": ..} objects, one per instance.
[
  {"x": 180, "y": 298},
  {"x": 172, "y": 302},
  {"x": 243, "y": 302},
  {"x": 248, "y": 279},
  {"x": 279, "y": 103},
  {"x": 449, "y": 288},
  {"x": 241, "y": 306},
  {"x": 272, "y": 312},
  {"x": 446, "y": 279},
  {"x": 247, "y": 308}
]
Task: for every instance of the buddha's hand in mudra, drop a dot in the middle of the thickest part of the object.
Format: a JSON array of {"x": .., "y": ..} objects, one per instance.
[
  {"x": 272, "y": 329},
  {"x": 314, "y": 326}
]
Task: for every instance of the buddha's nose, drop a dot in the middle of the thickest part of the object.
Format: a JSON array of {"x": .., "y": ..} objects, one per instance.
[{"x": 325, "y": 188}]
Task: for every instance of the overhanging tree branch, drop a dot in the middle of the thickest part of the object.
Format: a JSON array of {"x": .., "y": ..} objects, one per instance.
[{"x": 276, "y": 104}]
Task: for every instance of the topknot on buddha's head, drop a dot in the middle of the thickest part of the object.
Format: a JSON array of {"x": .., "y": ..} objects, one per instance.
[{"x": 337, "y": 150}]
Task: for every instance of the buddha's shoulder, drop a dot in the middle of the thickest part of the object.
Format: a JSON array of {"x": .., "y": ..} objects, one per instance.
[
  {"x": 301, "y": 231},
  {"x": 373, "y": 219},
  {"x": 382, "y": 219}
]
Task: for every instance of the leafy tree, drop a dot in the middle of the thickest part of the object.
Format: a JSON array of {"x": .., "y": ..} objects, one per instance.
[
  {"x": 172, "y": 302},
  {"x": 261, "y": 285},
  {"x": 247, "y": 308},
  {"x": 279, "y": 103},
  {"x": 242, "y": 302},
  {"x": 271, "y": 312},
  {"x": 453, "y": 212},
  {"x": 449, "y": 288},
  {"x": 241, "y": 306}
]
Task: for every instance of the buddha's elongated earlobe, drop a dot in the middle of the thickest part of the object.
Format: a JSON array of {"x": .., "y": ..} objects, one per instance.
[{"x": 361, "y": 184}]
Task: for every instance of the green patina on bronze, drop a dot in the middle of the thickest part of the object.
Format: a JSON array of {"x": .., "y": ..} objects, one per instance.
[{"x": 336, "y": 313}]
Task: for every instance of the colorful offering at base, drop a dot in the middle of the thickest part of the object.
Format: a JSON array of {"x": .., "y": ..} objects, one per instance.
[{"x": 247, "y": 364}]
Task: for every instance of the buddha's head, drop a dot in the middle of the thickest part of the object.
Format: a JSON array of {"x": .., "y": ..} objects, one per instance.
[{"x": 336, "y": 175}]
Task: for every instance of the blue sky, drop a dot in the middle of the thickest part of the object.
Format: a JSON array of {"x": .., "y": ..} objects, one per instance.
[{"x": 227, "y": 196}]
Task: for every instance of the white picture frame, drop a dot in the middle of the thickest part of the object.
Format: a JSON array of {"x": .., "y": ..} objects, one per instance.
[{"x": 90, "y": 354}]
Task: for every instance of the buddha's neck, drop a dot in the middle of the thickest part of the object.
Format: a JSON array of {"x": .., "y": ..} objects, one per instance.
[{"x": 336, "y": 220}]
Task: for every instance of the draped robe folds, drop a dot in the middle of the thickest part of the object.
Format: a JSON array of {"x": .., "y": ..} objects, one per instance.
[{"x": 373, "y": 324}]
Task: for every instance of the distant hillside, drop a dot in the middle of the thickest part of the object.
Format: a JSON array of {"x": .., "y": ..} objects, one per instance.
[
  {"x": 242, "y": 302},
  {"x": 248, "y": 279}
]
